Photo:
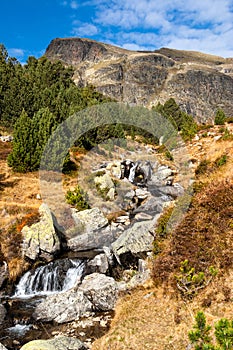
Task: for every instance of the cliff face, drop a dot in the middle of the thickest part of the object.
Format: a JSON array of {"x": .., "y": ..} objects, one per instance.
[{"x": 198, "y": 82}]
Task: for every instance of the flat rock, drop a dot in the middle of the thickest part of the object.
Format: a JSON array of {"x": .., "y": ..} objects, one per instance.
[{"x": 141, "y": 193}]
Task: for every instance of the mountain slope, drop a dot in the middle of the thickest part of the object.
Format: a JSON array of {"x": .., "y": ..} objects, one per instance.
[{"x": 200, "y": 83}]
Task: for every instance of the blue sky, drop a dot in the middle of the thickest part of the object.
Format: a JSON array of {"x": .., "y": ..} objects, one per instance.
[{"x": 28, "y": 26}]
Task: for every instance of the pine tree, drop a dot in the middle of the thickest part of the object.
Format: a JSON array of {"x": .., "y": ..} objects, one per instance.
[{"x": 20, "y": 157}]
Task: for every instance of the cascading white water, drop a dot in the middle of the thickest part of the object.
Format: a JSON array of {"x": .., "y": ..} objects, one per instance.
[
  {"x": 49, "y": 279},
  {"x": 132, "y": 172}
]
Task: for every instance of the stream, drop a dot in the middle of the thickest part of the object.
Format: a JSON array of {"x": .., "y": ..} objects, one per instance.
[{"x": 55, "y": 277}]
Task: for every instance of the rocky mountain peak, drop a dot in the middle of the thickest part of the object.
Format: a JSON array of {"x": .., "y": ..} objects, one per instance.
[{"x": 200, "y": 83}]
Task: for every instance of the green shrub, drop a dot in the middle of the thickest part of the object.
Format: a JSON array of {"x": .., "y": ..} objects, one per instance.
[
  {"x": 221, "y": 160},
  {"x": 201, "y": 338},
  {"x": 220, "y": 117},
  {"x": 227, "y": 135},
  {"x": 77, "y": 198},
  {"x": 189, "y": 281},
  {"x": 161, "y": 230}
]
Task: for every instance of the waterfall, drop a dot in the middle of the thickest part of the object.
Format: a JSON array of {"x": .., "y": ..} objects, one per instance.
[
  {"x": 55, "y": 277},
  {"x": 132, "y": 172}
]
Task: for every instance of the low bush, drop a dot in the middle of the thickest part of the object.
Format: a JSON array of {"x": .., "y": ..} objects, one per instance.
[
  {"x": 201, "y": 337},
  {"x": 77, "y": 198}
]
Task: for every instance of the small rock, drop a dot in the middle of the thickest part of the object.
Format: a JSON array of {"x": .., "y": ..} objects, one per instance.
[
  {"x": 111, "y": 194},
  {"x": 98, "y": 264},
  {"x": 141, "y": 193},
  {"x": 122, "y": 219}
]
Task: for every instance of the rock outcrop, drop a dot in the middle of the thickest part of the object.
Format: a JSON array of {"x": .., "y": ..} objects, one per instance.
[
  {"x": 41, "y": 240},
  {"x": 199, "y": 83}
]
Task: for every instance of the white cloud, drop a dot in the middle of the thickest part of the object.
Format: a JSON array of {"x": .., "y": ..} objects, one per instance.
[
  {"x": 74, "y": 5},
  {"x": 13, "y": 52},
  {"x": 84, "y": 29},
  {"x": 202, "y": 25}
]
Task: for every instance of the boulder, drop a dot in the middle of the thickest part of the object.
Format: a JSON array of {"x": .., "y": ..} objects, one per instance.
[
  {"x": 63, "y": 307},
  {"x": 101, "y": 290},
  {"x": 58, "y": 343},
  {"x": 2, "y": 314},
  {"x": 153, "y": 205},
  {"x": 135, "y": 240},
  {"x": 175, "y": 191},
  {"x": 90, "y": 219},
  {"x": 98, "y": 264},
  {"x": 114, "y": 168},
  {"x": 41, "y": 240},
  {"x": 159, "y": 177},
  {"x": 111, "y": 194},
  {"x": 104, "y": 182},
  {"x": 97, "y": 292},
  {"x": 142, "y": 193},
  {"x": 93, "y": 239}
]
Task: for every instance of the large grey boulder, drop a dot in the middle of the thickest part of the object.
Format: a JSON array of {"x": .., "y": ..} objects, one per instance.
[
  {"x": 101, "y": 290},
  {"x": 153, "y": 205},
  {"x": 175, "y": 191},
  {"x": 63, "y": 307},
  {"x": 41, "y": 240},
  {"x": 96, "y": 293},
  {"x": 93, "y": 239},
  {"x": 137, "y": 239},
  {"x": 160, "y": 176},
  {"x": 58, "y": 343},
  {"x": 2, "y": 314}
]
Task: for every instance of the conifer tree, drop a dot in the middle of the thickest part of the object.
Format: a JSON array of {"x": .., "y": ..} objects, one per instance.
[{"x": 20, "y": 158}]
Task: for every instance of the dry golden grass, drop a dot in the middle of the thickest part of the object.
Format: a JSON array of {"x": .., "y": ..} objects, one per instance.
[{"x": 155, "y": 319}]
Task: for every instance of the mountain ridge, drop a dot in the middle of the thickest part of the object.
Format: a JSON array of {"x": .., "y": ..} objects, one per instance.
[{"x": 199, "y": 82}]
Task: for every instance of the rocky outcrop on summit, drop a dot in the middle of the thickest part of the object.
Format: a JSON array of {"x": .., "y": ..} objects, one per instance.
[{"x": 200, "y": 83}]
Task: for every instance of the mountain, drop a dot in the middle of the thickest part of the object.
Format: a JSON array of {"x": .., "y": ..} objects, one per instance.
[{"x": 200, "y": 83}]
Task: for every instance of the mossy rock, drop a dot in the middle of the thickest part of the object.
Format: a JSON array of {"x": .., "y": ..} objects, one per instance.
[{"x": 38, "y": 345}]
